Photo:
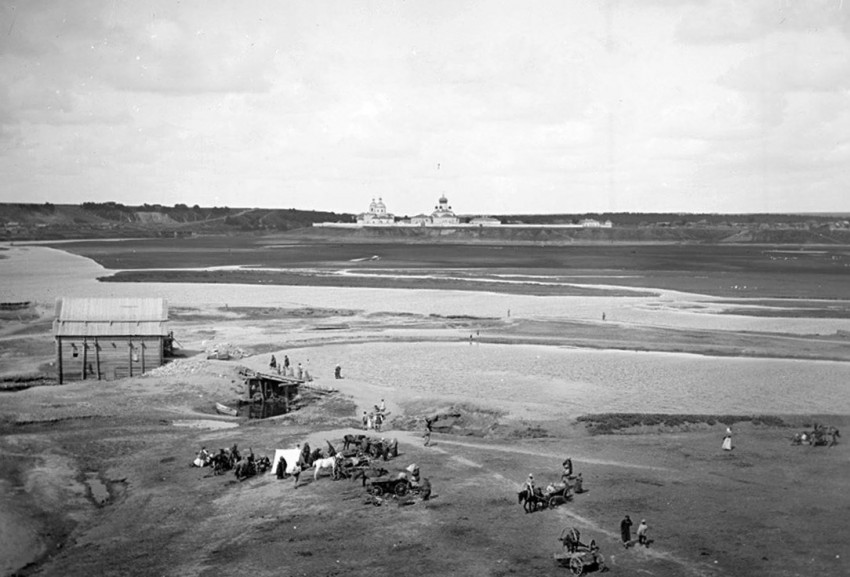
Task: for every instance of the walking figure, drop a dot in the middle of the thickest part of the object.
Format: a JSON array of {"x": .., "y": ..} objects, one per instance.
[
  {"x": 273, "y": 363},
  {"x": 427, "y": 435},
  {"x": 641, "y": 533},
  {"x": 626, "y": 531},
  {"x": 727, "y": 440},
  {"x": 296, "y": 473}
]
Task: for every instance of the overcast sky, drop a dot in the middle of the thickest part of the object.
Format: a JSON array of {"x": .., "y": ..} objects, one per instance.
[{"x": 564, "y": 106}]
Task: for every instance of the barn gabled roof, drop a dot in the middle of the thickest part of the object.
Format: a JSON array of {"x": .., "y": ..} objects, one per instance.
[{"x": 90, "y": 317}]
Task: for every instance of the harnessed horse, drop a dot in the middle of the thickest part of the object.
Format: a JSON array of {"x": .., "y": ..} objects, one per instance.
[
  {"x": 530, "y": 500},
  {"x": 326, "y": 463}
]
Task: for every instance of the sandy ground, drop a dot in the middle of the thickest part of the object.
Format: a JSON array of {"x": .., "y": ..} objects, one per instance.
[
  {"x": 96, "y": 476},
  {"x": 103, "y": 482}
]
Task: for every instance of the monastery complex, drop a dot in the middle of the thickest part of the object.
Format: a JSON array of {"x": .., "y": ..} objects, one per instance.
[{"x": 442, "y": 216}]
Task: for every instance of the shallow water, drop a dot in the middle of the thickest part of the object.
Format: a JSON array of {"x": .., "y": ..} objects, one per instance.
[{"x": 41, "y": 274}]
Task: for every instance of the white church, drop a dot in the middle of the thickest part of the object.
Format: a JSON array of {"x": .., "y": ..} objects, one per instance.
[
  {"x": 441, "y": 216},
  {"x": 377, "y": 215}
]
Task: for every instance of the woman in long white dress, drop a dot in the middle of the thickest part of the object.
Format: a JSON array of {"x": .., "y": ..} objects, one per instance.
[{"x": 727, "y": 440}]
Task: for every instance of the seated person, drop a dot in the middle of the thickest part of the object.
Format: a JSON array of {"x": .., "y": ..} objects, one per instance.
[{"x": 579, "y": 488}]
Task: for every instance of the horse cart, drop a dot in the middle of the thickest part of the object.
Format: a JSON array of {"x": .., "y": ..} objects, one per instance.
[
  {"x": 399, "y": 486},
  {"x": 557, "y": 494},
  {"x": 582, "y": 560}
]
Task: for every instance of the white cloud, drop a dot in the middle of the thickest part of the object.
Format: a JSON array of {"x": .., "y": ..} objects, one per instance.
[{"x": 561, "y": 107}]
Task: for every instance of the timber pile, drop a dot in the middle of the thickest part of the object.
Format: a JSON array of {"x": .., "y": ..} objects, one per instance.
[
  {"x": 224, "y": 351},
  {"x": 184, "y": 367}
]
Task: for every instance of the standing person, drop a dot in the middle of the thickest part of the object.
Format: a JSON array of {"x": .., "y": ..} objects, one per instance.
[
  {"x": 568, "y": 468},
  {"x": 427, "y": 435},
  {"x": 382, "y": 407},
  {"x": 296, "y": 473},
  {"x": 338, "y": 372},
  {"x": 727, "y": 440},
  {"x": 529, "y": 484},
  {"x": 641, "y": 533},
  {"x": 626, "y": 531},
  {"x": 299, "y": 373},
  {"x": 365, "y": 419},
  {"x": 273, "y": 363}
]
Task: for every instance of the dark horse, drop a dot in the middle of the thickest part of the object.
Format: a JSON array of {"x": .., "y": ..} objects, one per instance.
[
  {"x": 349, "y": 440},
  {"x": 531, "y": 501},
  {"x": 825, "y": 436}
]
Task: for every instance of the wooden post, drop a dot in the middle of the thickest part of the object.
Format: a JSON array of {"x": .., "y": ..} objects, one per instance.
[
  {"x": 59, "y": 354},
  {"x": 85, "y": 357},
  {"x": 130, "y": 343},
  {"x": 97, "y": 356},
  {"x": 144, "y": 348}
]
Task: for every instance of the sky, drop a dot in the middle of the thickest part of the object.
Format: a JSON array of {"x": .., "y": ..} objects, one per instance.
[{"x": 504, "y": 107}]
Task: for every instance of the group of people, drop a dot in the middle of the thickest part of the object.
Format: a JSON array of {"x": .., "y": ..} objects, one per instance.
[
  {"x": 820, "y": 435},
  {"x": 287, "y": 370},
  {"x": 626, "y": 532},
  {"x": 375, "y": 419}
]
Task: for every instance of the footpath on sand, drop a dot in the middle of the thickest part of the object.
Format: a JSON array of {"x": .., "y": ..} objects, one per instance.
[
  {"x": 688, "y": 567},
  {"x": 415, "y": 438}
]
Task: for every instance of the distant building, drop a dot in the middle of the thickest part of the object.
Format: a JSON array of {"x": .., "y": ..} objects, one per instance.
[
  {"x": 377, "y": 215},
  {"x": 109, "y": 338},
  {"x": 485, "y": 221},
  {"x": 593, "y": 223},
  {"x": 443, "y": 214}
]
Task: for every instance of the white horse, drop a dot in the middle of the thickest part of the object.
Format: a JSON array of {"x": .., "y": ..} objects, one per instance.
[{"x": 326, "y": 463}]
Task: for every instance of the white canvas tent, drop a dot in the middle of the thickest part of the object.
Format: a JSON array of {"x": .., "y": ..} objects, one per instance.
[{"x": 289, "y": 455}]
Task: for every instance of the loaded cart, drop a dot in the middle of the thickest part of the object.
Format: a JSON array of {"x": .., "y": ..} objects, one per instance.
[{"x": 582, "y": 559}]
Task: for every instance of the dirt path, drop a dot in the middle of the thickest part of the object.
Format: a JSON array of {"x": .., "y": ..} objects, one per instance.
[{"x": 565, "y": 513}]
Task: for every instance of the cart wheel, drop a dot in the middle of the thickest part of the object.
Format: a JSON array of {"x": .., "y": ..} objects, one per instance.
[
  {"x": 576, "y": 566},
  {"x": 401, "y": 489},
  {"x": 553, "y": 502},
  {"x": 376, "y": 491}
]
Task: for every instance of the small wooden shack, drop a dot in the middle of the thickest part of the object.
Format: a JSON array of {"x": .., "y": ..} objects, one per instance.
[
  {"x": 109, "y": 338},
  {"x": 270, "y": 388}
]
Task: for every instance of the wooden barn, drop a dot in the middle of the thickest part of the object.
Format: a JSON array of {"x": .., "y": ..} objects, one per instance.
[{"x": 103, "y": 338}]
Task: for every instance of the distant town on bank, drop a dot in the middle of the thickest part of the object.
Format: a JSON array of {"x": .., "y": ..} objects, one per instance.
[
  {"x": 443, "y": 216},
  {"x": 47, "y": 221}
]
